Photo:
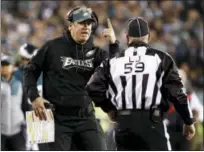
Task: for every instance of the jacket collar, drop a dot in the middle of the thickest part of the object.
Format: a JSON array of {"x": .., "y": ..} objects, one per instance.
[
  {"x": 138, "y": 44},
  {"x": 13, "y": 78},
  {"x": 3, "y": 79},
  {"x": 133, "y": 44}
]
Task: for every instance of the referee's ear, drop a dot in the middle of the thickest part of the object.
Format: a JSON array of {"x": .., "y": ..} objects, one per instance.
[
  {"x": 149, "y": 37},
  {"x": 127, "y": 38}
]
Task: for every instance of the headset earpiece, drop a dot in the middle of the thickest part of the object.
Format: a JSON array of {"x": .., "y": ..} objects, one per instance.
[{"x": 95, "y": 24}]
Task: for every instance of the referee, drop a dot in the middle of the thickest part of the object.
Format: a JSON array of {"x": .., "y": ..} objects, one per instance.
[{"x": 134, "y": 87}]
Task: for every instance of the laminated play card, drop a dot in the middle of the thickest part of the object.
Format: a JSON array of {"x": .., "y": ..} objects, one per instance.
[{"x": 40, "y": 131}]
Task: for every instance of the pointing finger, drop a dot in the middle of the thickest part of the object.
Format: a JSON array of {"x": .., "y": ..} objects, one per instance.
[{"x": 109, "y": 24}]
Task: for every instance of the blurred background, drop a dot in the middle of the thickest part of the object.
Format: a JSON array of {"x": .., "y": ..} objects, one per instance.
[{"x": 176, "y": 28}]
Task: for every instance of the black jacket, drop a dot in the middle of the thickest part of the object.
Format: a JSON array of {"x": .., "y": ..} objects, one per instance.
[
  {"x": 67, "y": 67},
  {"x": 170, "y": 86}
]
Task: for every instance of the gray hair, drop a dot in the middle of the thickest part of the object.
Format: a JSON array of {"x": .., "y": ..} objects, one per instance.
[{"x": 139, "y": 39}]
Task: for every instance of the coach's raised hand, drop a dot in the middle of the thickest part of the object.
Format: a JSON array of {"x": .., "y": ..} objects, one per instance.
[{"x": 109, "y": 33}]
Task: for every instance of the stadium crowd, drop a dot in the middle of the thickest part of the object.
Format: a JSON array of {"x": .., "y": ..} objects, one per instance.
[{"x": 176, "y": 27}]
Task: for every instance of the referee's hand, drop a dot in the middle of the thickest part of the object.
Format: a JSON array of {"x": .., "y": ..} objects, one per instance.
[
  {"x": 189, "y": 131},
  {"x": 112, "y": 115},
  {"x": 39, "y": 108}
]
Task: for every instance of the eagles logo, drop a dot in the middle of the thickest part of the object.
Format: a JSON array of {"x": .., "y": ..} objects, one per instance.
[
  {"x": 90, "y": 53},
  {"x": 69, "y": 62}
]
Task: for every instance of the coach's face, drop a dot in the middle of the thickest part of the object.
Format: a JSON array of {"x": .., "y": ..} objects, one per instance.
[{"x": 81, "y": 31}]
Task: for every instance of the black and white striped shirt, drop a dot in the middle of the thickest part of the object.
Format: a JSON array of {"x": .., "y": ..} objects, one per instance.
[
  {"x": 134, "y": 80},
  {"x": 138, "y": 78}
]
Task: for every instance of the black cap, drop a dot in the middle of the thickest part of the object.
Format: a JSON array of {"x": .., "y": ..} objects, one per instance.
[
  {"x": 81, "y": 14},
  {"x": 138, "y": 27}
]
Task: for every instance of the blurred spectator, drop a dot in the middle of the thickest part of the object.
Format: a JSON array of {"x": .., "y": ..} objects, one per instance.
[
  {"x": 26, "y": 52},
  {"x": 177, "y": 26},
  {"x": 12, "y": 118}
]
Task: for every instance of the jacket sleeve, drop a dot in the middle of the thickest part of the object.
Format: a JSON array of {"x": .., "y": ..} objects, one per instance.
[
  {"x": 32, "y": 72},
  {"x": 172, "y": 89},
  {"x": 97, "y": 88},
  {"x": 113, "y": 49},
  {"x": 101, "y": 54},
  {"x": 25, "y": 106}
]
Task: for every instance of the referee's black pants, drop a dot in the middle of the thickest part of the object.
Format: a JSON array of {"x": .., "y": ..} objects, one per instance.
[
  {"x": 77, "y": 127},
  {"x": 136, "y": 131}
]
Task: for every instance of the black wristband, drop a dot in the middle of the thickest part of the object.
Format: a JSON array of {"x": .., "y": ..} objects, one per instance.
[{"x": 189, "y": 121}]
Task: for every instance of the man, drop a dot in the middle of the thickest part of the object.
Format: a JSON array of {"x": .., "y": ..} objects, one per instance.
[
  {"x": 67, "y": 63},
  {"x": 12, "y": 118},
  {"x": 25, "y": 52},
  {"x": 131, "y": 88}
]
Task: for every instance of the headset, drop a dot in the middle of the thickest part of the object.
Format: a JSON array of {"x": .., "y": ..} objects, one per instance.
[{"x": 93, "y": 15}]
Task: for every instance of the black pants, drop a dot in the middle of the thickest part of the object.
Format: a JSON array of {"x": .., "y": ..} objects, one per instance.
[
  {"x": 81, "y": 130},
  {"x": 16, "y": 142},
  {"x": 178, "y": 141},
  {"x": 136, "y": 131}
]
